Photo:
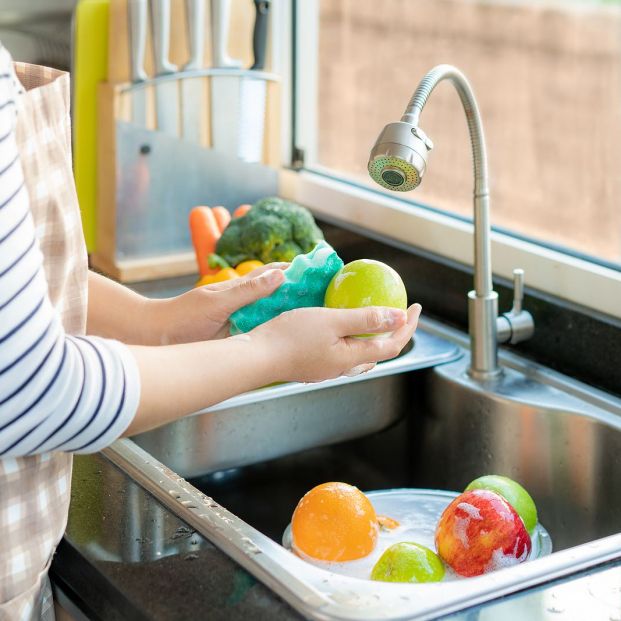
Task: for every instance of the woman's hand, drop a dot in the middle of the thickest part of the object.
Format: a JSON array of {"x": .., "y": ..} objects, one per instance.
[
  {"x": 203, "y": 313},
  {"x": 307, "y": 344},
  {"x": 314, "y": 344}
]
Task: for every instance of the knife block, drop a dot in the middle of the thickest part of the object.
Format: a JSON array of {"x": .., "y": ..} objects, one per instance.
[{"x": 149, "y": 180}]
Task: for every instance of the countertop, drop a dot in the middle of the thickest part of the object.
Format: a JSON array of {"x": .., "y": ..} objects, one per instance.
[{"x": 125, "y": 556}]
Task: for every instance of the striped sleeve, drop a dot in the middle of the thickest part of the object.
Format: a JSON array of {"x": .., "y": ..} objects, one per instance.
[{"x": 57, "y": 392}]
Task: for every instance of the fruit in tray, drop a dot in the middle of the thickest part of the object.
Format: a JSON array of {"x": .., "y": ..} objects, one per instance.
[
  {"x": 513, "y": 493},
  {"x": 272, "y": 230},
  {"x": 481, "y": 532},
  {"x": 334, "y": 522},
  {"x": 408, "y": 562},
  {"x": 366, "y": 282}
]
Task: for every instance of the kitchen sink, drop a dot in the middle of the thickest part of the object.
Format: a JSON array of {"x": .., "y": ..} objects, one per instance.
[
  {"x": 560, "y": 439},
  {"x": 287, "y": 418}
]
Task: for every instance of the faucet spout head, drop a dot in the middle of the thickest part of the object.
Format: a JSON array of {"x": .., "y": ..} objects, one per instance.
[{"x": 398, "y": 159}]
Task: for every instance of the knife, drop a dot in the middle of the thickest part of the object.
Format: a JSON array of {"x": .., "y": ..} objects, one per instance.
[
  {"x": 224, "y": 88},
  {"x": 192, "y": 88},
  {"x": 137, "y": 16},
  {"x": 167, "y": 92},
  {"x": 253, "y": 91}
]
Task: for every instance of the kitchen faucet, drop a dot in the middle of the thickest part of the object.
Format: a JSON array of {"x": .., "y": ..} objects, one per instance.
[{"x": 398, "y": 161}]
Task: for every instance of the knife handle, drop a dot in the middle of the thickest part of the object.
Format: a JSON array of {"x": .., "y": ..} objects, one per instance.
[
  {"x": 160, "y": 24},
  {"x": 220, "y": 22},
  {"x": 259, "y": 35},
  {"x": 195, "y": 18},
  {"x": 137, "y": 16}
]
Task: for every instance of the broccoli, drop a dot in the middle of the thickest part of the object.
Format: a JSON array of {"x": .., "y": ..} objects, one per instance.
[{"x": 273, "y": 230}]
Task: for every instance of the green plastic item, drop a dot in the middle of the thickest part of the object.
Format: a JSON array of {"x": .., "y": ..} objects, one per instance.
[{"x": 306, "y": 281}]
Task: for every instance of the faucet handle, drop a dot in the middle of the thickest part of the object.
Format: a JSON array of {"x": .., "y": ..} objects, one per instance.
[
  {"x": 518, "y": 290},
  {"x": 518, "y": 324}
]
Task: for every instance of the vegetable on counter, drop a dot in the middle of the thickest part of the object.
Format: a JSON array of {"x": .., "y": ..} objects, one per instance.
[
  {"x": 228, "y": 273},
  {"x": 272, "y": 230},
  {"x": 245, "y": 267},
  {"x": 205, "y": 233},
  {"x": 242, "y": 210},
  {"x": 222, "y": 216},
  {"x": 225, "y": 271}
]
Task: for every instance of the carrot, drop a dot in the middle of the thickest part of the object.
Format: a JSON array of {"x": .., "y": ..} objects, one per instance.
[
  {"x": 223, "y": 217},
  {"x": 205, "y": 234},
  {"x": 242, "y": 210}
]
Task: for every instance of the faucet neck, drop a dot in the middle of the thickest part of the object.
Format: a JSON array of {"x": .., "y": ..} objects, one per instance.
[{"x": 483, "y": 301}]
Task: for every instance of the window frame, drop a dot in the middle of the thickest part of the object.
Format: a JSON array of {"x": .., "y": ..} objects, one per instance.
[{"x": 550, "y": 270}]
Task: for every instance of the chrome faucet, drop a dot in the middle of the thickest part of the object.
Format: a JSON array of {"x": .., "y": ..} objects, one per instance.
[{"x": 398, "y": 162}]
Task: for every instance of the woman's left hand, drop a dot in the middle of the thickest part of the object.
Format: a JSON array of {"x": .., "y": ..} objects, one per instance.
[{"x": 203, "y": 313}]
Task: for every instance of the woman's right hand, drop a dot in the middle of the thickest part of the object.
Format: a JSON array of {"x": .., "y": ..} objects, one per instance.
[
  {"x": 305, "y": 345},
  {"x": 315, "y": 344}
]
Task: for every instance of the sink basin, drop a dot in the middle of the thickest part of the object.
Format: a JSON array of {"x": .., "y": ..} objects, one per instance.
[
  {"x": 287, "y": 418},
  {"x": 560, "y": 439}
]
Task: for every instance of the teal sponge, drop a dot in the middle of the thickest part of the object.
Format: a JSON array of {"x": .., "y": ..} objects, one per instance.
[{"x": 306, "y": 281}]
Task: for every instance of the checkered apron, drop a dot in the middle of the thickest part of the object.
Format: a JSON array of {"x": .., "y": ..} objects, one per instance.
[{"x": 35, "y": 491}]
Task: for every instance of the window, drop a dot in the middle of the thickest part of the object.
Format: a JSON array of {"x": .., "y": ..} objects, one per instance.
[{"x": 547, "y": 76}]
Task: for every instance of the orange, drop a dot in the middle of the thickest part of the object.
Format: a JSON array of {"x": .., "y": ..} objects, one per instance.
[{"x": 334, "y": 522}]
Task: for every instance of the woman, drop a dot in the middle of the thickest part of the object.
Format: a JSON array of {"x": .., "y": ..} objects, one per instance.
[{"x": 62, "y": 392}]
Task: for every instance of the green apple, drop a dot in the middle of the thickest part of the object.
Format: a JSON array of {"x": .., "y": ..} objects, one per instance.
[
  {"x": 366, "y": 282},
  {"x": 513, "y": 493},
  {"x": 408, "y": 562}
]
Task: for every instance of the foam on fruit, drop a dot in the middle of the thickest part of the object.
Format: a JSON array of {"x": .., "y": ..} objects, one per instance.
[
  {"x": 481, "y": 532},
  {"x": 513, "y": 493}
]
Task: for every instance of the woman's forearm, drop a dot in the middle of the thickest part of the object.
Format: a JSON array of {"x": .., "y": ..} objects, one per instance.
[
  {"x": 180, "y": 379},
  {"x": 117, "y": 312}
]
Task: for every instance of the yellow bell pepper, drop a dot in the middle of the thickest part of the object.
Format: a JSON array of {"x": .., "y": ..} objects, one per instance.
[
  {"x": 227, "y": 273},
  {"x": 245, "y": 267}
]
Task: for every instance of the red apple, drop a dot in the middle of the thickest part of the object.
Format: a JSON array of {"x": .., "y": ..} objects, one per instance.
[{"x": 480, "y": 532}]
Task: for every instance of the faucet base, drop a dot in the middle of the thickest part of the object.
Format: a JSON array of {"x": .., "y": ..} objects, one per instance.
[{"x": 482, "y": 313}]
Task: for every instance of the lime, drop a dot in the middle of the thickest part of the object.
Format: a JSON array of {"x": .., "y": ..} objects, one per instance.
[
  {"x": 513, "y": 493},
  {"x": 408, "y": 562},
  {"x": 366, "y": 282}
]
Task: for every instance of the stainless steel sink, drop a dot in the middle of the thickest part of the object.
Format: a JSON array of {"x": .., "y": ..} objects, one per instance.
[
  {"x": 565, "y": 451},
  {"x": 560, "y": 439},
  {"x": 287, "y": 418}
]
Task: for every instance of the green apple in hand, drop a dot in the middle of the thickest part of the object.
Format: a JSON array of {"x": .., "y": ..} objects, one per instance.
[
  {"x": 513, "y": 493},
  {"x": 366, "y": 282},
  {"x": 408, "y": 562}
]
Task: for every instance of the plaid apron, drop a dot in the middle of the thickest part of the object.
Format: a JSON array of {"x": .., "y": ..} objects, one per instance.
[{"x": 35, "y": 491}]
